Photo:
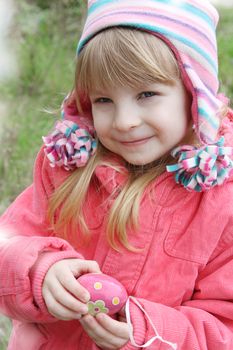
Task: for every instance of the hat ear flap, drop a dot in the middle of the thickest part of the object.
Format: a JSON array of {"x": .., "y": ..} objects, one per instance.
[
  {"x": 71, "y": 144},
  {"x": 71, "y": 112}
]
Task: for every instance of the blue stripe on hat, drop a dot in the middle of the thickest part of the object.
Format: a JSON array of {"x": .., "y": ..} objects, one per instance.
[
  {"x": 164, "y": 32},
  {"x": 190, "y": 8},
  {"x": 212, "y": 121}
]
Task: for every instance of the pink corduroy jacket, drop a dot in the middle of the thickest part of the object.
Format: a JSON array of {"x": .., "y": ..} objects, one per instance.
[{"x": 183, "y": 277}]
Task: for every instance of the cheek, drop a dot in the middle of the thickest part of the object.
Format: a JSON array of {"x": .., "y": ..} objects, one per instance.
[
  {"x": 102, "y": 127},
  {"x": 182, "y": 118},
  {"x": 180, "y": 126},
  {"x": 102, "y": 120}
]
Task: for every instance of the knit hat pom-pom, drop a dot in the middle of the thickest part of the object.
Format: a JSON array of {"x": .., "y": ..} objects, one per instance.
[
  {"x": 199, "y": 169},
  {"x": 69, "y": 146}
]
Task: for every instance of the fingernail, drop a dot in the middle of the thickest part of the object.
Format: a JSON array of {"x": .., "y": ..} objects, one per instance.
[
  {"x": 84, "y": 310},
  {"x": 78, "y": 317},
  {"x": 86, "y": 297},
  {"x": 100, "y": 316}
]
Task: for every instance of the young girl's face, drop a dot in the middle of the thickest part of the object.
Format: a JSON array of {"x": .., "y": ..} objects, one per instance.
[{"x": 141, "y": 124}]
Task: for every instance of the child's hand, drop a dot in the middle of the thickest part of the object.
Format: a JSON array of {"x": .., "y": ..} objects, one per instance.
[
  {"x": 108, "y": 334},
  {"x": 64, "y": 297}
]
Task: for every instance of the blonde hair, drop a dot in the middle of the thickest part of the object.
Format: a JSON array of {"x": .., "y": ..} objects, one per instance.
[
  {"x": 124, "y": 57},
  {"x": 117, "y": 56}
]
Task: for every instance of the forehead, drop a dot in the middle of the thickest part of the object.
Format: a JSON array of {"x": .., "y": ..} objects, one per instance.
[
  {"x": 125, "y": 57},
  {"x": 127, "y": 89}
]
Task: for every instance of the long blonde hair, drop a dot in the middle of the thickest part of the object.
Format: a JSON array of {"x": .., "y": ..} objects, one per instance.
[{"x": 125, "y": 57}]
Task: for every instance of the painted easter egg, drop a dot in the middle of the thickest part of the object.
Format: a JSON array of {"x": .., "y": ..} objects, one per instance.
[{"x": 107, "y": 294}]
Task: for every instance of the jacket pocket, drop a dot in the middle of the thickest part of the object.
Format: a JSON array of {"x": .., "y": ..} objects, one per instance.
[{"x": 189, "y": 238}]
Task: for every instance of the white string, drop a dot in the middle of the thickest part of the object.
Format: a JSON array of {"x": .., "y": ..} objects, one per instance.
[{"x": 150, "y": 341}]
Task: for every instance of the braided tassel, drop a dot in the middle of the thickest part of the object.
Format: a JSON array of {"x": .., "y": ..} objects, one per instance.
[
  {"x": 69, "y": 146},
  {"x": 199, "y": 169}
]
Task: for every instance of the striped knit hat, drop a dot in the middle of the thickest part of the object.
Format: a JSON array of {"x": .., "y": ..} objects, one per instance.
[{"x": 188, "y": 27}]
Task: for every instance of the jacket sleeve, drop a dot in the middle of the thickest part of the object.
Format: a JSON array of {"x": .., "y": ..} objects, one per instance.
[
  {"x": 203, "y": 323},
  {"x": 24, "y": 235}
]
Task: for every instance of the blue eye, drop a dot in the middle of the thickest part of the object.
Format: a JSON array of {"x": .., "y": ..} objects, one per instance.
[
  {"x": 103, "y": 100},
  {"x": 147, "y": 94}
]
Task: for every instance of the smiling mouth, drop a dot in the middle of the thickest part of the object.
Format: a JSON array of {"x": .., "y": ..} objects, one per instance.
[{"x": 136, "y": 142}]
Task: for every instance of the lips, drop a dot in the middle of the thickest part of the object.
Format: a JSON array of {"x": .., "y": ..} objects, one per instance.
[{"x": 136, "y": 141}]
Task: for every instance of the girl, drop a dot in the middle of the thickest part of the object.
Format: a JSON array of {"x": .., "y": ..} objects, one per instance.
[{"x": 108, "y": 195}]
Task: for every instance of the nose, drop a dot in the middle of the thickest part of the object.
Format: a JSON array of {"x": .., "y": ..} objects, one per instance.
[{"x": 126, "y": 118}]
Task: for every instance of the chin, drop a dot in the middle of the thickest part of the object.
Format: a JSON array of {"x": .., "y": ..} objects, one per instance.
[
  {"x": 142, "y": 162},
  {"x": 137, "y": 164},
  {"x": 142, "y": 166}
]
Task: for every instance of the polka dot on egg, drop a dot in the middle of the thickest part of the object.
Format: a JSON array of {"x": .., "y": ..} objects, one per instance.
[
  {"x": 115, "y": 301},
  {"x": 98, "y": 285}
]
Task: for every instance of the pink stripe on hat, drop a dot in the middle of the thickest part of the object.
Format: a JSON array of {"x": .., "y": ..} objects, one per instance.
[
  {"x": 188, "y": 28},
  {"x": 191, "y": 31}
]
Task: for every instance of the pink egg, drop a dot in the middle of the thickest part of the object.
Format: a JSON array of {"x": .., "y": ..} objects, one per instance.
[{"x": 107, "y": 294}]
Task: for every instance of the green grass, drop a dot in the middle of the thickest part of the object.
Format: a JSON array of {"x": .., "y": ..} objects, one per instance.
[
  {"x": 225, "y": 47},
  {"x": 46, "y": 55},
  {"x": 46, "y": 59},
  {"x": 5, "y": 326}
]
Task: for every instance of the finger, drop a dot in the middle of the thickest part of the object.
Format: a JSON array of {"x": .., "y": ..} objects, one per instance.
[
  {"x": 69, "y": 282},
  {"x": 85, "y": 266},
  {"x": 63, "y": 297},
  {"x": 92, "y": 327},
  {"x": 95, "y": 331},
  {"x": 119, "y": 329},
  {"x": 59, "y": 311},
  {"x": 100, "y": 335}
]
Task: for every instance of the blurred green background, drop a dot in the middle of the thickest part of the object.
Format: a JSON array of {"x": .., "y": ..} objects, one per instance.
[{"x": 45, "y": 35}]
